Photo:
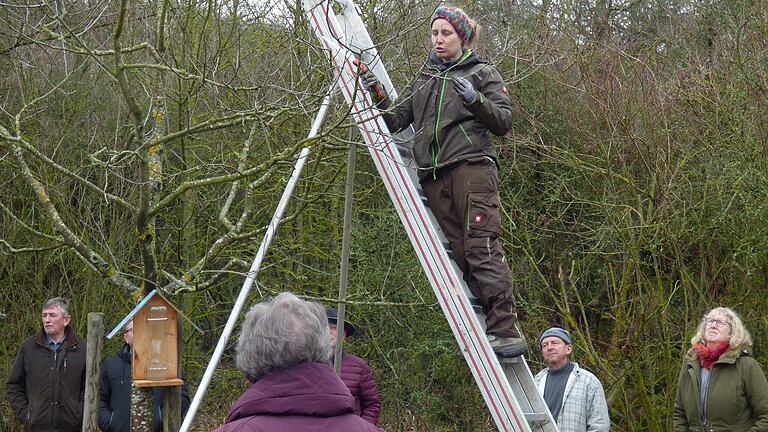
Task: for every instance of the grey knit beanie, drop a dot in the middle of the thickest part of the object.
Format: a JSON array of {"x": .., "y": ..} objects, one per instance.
[{"x": 556, "y": 331}]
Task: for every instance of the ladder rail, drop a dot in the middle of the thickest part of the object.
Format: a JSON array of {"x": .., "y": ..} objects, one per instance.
[{"x": 255, "y": 266}]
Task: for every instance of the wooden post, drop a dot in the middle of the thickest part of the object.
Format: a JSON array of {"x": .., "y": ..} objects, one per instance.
[
  {"x": 94, "y": 343},
  {"x": 172, "y": 396},
  {"x": 172, "y": 408},
  {"x": 349, "y": 193},
  {"x": 141, "y": 409}
]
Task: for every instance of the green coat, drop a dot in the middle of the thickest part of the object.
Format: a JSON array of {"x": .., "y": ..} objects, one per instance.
[{"x": 737, "y": 397}]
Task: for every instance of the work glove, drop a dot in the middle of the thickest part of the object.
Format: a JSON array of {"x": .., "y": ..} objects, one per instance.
[
  {"x": 370, "y": 81},
  {"x": 465, "y": 90},
  {"x": 368, "y": 78}
]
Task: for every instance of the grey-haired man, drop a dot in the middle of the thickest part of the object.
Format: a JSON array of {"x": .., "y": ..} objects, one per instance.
[
  {"x": 574, "y": 395},
  {"x": 47, "y": 381}
]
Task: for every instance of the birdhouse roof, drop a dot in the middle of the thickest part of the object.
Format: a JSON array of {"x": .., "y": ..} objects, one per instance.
[{"x": 143, "y": 303}]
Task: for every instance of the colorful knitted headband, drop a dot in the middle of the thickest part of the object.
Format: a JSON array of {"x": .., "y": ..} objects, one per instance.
[{"x": 457, "y": 19}]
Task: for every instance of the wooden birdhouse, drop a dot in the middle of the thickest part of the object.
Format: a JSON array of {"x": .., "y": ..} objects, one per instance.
[{"x": 155, "y": 341}]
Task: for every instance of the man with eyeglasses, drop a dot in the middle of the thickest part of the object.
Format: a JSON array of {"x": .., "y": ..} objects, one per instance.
[
  {"x": 574, "y": 396},
  {"x": 115, "y": 391},
  {"x": 46, "y": 386}
]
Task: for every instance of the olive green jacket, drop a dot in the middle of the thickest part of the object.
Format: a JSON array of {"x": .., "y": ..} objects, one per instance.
[{"x": 736, "y": 400}]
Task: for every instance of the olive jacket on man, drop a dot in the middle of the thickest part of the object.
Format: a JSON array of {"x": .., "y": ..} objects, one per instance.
[
  {"x": 45, "y": 388},
  {"x": 736, "y": 400}
]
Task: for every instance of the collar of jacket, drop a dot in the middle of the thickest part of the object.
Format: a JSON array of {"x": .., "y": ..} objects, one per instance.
[
  {"x": 541, "y": 378},
  {"x": 435, "y": 65},
  {"x": 728, "y": 357},
  {"x": 70, "y": 338},
  {"x": 125, "y": 353}
]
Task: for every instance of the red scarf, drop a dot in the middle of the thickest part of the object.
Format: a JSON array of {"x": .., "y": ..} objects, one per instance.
[{"x": 708, "y": 355}]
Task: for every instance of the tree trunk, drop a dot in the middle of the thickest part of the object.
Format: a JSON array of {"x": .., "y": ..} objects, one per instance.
[{"x": 141, "y": 409}]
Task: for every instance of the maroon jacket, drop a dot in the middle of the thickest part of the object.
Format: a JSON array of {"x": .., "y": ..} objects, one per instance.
[
  {"x": 359, "y": 380},
  {"x": 308, "y": 397}
]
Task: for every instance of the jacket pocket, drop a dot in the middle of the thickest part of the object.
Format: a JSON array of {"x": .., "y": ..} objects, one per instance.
[
  {"x": 422, "y": 152},
  {"x": 71, "y": 414},
  {"x": 33, "y": 415}
]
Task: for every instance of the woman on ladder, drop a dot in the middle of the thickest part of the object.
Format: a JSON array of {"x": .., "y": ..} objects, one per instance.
[{"x": 454, "y": 104}]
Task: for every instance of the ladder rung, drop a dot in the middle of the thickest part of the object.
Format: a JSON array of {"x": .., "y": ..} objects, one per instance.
[
  {"x": 536, "y": 419},
  {"x": 423, "y": 197},
  {"x": 404, "y": 140},
  {"x": 508, "y": 360}
]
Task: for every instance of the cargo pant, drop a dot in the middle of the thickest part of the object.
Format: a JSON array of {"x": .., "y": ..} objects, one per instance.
[{"x": 465, "y": 200}]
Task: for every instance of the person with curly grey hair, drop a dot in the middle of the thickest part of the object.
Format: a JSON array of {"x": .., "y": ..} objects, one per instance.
[
  {"x": 284, "y": 351},
  {"x": 721, "y": 387}
]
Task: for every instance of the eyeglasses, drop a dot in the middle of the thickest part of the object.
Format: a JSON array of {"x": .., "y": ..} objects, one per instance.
[{"x": 715, "y": 322}]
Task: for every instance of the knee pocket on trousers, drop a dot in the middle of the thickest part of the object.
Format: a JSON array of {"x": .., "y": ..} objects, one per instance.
[
  {"x": 479, "y": 251},
  {"x": 483, "y": 219}
]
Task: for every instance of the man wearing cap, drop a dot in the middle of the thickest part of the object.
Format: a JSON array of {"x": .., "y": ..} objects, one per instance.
[
  {"x": 574, "y": 396},
  {"x": 356, "y": 374}
]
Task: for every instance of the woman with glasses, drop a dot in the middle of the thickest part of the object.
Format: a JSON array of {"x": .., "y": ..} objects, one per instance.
[{"x": 721, "y": 387}]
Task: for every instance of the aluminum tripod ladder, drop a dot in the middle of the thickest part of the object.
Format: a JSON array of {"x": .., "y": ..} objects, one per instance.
[{"x": 506, "y": 384}]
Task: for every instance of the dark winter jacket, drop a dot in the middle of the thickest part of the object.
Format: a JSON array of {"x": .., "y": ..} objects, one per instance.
[
  {"x": 45, "y": 388},
  {"x": 308, "y": 397},
  {"x": 737, "y": 396},
  {"x": 447, "y": 130},
  {"x": 359, "y": 380},
  {"x": 115, "y": 395}
]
